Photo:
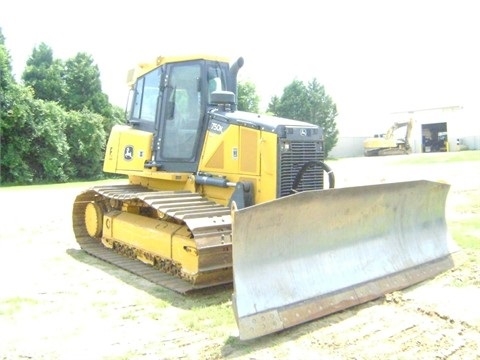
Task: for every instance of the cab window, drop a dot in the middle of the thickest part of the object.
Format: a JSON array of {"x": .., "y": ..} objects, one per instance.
[{"x": 147, "y": 90}]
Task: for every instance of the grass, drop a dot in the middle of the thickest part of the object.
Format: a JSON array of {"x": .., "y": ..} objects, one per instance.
[
  {"x": 214, "y": 318},
  {"x": 69, "y": 185},
  {"x": 467, "y": 233},
  {"x": 440, "y": 158},
  {"x": 12, "y": 306},
  {"x": 466, "y": 228}
]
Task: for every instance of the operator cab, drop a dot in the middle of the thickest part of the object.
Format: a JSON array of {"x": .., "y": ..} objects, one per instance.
[{"x": 171, "y": 102}]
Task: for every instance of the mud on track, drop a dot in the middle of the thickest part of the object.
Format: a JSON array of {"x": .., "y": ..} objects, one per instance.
[{"x": 58, "y": 303}]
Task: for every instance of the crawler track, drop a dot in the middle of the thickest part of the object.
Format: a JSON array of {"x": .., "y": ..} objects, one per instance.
[{"x": 206, "y": 220}]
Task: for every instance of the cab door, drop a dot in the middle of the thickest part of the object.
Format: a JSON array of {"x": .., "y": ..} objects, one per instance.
[{"x": 180, "y": 122}]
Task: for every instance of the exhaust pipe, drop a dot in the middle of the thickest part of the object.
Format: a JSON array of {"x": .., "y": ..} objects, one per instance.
[{"x": 234, "y": 72}]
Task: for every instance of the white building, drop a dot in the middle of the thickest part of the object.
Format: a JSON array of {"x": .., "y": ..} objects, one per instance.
[
  {"x": 454, "y": 124},
  {"x": 449, "y": 128}
]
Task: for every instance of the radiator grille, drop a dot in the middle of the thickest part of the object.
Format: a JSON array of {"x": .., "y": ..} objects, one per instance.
[{"x": 292, "y": 160}]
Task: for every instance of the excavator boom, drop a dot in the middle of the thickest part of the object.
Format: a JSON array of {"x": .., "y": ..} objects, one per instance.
[
  {"x": 388, "y": 144},
  {"x": 319, "y": 252}
]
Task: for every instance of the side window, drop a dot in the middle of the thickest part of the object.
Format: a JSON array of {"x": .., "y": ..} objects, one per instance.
[
  {"x": 147, "y": 91},
  {"x": 183, "y": 114},
  {"x": 216, "y": 80},
  {"x": 137, "y": 105}
]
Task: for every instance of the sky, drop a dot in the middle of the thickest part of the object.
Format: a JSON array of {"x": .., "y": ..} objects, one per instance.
[{"x": 374, "y": 57}]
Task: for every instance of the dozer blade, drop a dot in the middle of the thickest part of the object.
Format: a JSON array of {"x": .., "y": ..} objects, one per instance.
[{"x": 307, "y": 255}]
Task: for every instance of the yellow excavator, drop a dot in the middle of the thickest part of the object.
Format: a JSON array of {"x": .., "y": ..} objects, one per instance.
[
  {"x": 216, "y": 195},
  {"x": 388, "y": 143}
]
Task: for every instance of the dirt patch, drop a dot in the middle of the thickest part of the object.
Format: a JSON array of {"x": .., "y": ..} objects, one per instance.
[{"x": 58, "y": 303}]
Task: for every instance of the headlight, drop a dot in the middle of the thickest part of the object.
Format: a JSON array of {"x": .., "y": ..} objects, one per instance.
[{"x": 285, "y": 146}]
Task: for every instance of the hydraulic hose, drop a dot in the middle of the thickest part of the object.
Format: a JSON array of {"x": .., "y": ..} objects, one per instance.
[{"x": 306, "y": 166}]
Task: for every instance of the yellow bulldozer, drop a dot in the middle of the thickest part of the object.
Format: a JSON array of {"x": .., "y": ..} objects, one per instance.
[{"x": 216, "y": 195}]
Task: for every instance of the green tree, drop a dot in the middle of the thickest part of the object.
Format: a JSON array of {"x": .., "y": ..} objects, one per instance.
[
  {"x": 86, "y": 137},
  {"x": 45, "y": 75},
  {"x": 248, "y": 100},
  {"x": 34, "y": 146},
  {"x": 53, "y": 141},
  {"x": 84, "y": 88},
  {"x": 323, "y": 112},
  {"x": 2, "y": 37},
  {"x": 309, "y": 103},
  {"x": 48, "y": 146},
  {"x": 6, "y": 77},
  {"x": 118, "y": 117},
  {"x": 293, "y": 103},
  {"x": 273, "y": 105},
  {"x": 84, "y": 92},
  {"x": 15, "y": 124}
]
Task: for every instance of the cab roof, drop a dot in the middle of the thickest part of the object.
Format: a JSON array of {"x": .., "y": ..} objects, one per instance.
[{"x": 144, "y": 67}]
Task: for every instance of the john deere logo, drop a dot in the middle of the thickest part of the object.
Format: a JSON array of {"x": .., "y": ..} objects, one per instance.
[{"x": 128, "y": 152}]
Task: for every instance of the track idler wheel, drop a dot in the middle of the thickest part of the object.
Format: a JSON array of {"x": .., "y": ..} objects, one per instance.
[{"x": 94, "y": 219}]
